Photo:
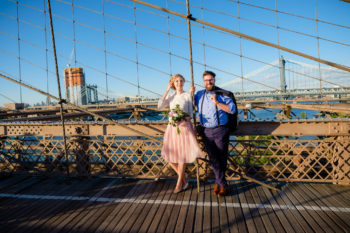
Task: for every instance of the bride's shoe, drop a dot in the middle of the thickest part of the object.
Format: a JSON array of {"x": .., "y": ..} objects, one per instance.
[
  {"x": 185, "y": 186},
  {"x": 177, "y": 190}
]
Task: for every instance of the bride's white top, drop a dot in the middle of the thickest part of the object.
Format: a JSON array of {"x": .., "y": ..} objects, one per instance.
[{"x": 184, "y": 100}]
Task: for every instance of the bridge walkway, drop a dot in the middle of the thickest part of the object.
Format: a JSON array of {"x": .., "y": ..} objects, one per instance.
[{"x": 51, "y": 204}]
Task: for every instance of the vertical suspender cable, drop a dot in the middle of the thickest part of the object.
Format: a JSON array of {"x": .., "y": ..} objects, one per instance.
[
  {"x": 46, "y": 56},
  {"x": 189, "y": 16},
  {"x": 19, "y": 55},
  {"x": 204, "y": 58},
  {"x": 58, "y": 86},
  {"x": 74, "y": 40},
  {"x": 278, "y": 43},
  {"x": 240, "y": 50},
  {"x": 105, "y": 44},
  {"x": 137, "y": 55},
  {"x": 169, "y": 41},
  {"x": 318, "y": 49}
]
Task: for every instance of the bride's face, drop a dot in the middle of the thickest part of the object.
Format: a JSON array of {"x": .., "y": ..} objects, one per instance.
[{"x": 179, "y": 83}]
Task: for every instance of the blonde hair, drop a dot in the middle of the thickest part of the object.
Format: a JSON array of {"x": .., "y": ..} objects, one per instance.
[{"x": 172, "y": 80}]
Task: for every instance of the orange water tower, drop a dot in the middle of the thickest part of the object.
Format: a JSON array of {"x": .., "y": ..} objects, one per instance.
[{"x": 75, "y": 86}]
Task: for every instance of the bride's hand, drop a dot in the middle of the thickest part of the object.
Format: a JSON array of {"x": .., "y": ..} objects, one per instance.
[{"x": 169, "y": 86}]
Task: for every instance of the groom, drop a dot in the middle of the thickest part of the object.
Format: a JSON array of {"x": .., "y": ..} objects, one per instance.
[{"x": 213, "y": 117}]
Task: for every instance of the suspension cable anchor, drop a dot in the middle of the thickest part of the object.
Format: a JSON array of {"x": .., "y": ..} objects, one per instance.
[
  {"x": 62, "y": 101},
  {"x": 189, "y": 16}
]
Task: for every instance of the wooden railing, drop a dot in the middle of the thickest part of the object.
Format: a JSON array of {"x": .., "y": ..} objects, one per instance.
[{"x": 313, "y": 151}]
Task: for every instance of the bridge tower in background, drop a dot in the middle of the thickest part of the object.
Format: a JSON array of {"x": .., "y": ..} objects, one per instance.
[{"x": 282, "y": 65}]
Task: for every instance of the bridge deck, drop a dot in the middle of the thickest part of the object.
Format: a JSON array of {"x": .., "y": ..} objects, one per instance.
[{"x": 34, "y": 204}]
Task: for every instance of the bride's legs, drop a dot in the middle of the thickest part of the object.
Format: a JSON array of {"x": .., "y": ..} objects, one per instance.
[
  {"x": 181, "y": 180},
  {"x": 175, "y": 167}
]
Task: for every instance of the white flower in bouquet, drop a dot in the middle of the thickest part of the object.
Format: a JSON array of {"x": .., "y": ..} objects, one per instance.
[{"x": 177, "y": 115}]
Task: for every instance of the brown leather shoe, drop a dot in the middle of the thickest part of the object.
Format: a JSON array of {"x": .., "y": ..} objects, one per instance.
[
  {"x": 216, "y": 189},
  {"x": 222, "y": 192}
]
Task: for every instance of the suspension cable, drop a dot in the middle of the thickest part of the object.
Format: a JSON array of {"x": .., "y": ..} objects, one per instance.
[
  {"x": 234, "y": 54},
  {"x": 169, "y": 41},
  {"x": 240, "y": 52},
  {"x": 58, "y": 86},
  {"x": 137, "y": 54},
  {"x": 19, "y": 53},
  {"x": 273, "y": 26},
  {"x": 257, "y": 40},
  {"x": 318, "y": 49},
  {"x": 74, "y": 37},
  {"x": 105, "y": 44},
  {"x": 204, "y": 44},
  {"x": 46, "y": 54}
]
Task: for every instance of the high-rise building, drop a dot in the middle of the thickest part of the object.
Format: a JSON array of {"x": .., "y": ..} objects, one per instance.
[{"x": 75, "y": 86}]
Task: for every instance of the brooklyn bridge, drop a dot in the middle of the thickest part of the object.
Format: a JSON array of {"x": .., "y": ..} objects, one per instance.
[{"x": 81, "y": 134}]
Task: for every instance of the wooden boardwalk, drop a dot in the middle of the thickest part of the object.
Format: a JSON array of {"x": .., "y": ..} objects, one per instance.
[{"x": 39, "y": 204}]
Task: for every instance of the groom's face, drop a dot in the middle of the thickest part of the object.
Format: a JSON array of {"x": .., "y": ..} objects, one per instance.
[{"x": 209, "y": 82}]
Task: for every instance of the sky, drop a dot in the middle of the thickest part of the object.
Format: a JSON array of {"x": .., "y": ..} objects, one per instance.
[{"x": 128, "y": 68}]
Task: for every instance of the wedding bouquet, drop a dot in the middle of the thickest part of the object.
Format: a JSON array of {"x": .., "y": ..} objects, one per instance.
[{"x": 176, "y": 115}]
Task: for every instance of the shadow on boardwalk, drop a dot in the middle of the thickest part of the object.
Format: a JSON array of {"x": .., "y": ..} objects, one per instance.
[{"x": 39, "y": 204}]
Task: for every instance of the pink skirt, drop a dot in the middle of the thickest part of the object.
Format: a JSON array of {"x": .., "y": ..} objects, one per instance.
[{"x": 183, "y": 147}]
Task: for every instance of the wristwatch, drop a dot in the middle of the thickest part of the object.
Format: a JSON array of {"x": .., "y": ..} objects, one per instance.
[{"x": 216, "y": 102}]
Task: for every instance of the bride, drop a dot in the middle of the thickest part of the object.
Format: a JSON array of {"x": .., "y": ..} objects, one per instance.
[{"x": 179, "y": 147}]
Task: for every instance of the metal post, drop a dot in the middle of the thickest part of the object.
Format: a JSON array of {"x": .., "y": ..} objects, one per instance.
[{"x": 58, "y": 86}]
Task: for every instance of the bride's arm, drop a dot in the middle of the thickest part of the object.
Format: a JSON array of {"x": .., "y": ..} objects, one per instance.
[{"x": 164, "y": 101}]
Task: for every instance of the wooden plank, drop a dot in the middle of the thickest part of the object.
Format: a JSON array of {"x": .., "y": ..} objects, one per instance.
[
  {"x": 254, "y": 212},
  {"x": 198, "y": 220},
  {"x": 121, "y": 208},
  {"x": 278, "y": 211},
  {"x": 145, "y": 210},
  {"x": 103, "y": 210},
  {"x": 32, "y": 207},
  {"x": 333, "y": 200},
  {"x": 173, "y": 217},
  {"x": 7, "y": 182},
  {"x": 184, "y": 210},
  {"x": 192, "y": 209},
  {"x": 338, "y": 190},
  {"x": 296, "y": 214},
  {"x": 287, "y": 212},
  {"x": 168, "y": 213},
  {"x": 89, "y": 215},
  {"x": 46, "y": 208},
  {"x": 68, "y": 207},
  {"x": 223, "y": 216},
  {"x": 134, "y": 210},
  {"x": 57, "y": 207},
  {"x": 310, "y": 216},
  {"x": 207, "y": 215},
  {"x": 79, "y": 209},
  {"x": 342, "y": 219},
  {"x": 145, "y": 225},
  {"x": 158, "y": 216},
  {"x": 314, "y": 201},
  {"x": 14, "y": 204},
  {"x": 125, "y": 190},
  {"x": 6, "y": 186},
  {"x": 236, "y": 216},
  {"x": 264, "y": 213},
  {"x": 249, "y": 218}
]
